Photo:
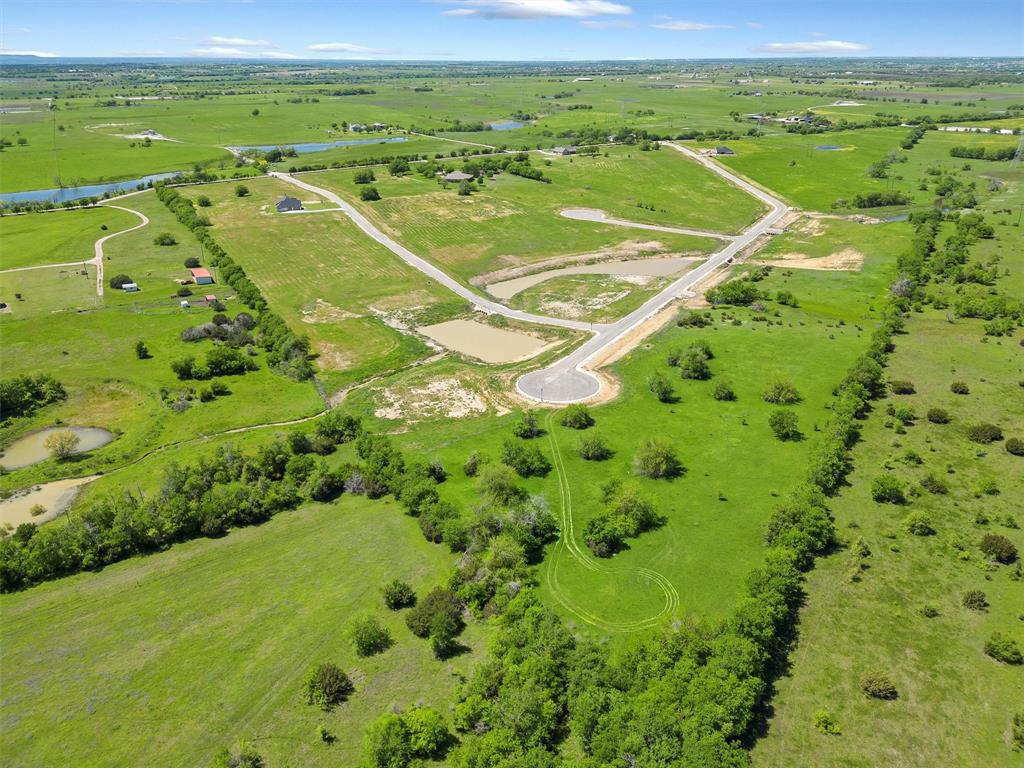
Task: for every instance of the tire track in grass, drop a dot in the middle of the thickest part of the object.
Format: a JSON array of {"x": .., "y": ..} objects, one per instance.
[{"x": 567, "y": 543}]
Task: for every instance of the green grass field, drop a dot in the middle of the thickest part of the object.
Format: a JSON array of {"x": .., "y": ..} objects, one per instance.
[{"x": 58, "y": 237}]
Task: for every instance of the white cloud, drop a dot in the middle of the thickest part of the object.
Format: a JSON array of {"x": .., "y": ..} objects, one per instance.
[
  {"x": 537, "y": 9},
  {"x": 342, "y": 48},
  {"x": 240, "y": 42},
  {"x": 610, "y": 24},
  {"x": 690, "y": 26},
  {"x": 220, "y": 50},
  {"x": 40, "y": 54},
  {"x": 816, "y": 46},
  {"x": 22, "y": 30},
  {"x": 278, "y": 55},
  {"x": 755, "y": 25}
]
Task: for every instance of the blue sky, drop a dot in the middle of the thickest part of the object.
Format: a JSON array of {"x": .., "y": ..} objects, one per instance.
[{"x": 511, "y": 29}]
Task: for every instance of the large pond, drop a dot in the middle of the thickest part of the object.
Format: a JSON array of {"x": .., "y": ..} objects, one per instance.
[
  {"x": 64, "y": 194},
  {"x": 31, "y": 449},
  {"x": 505, "y": 125},
  {"x": 308, "y": 147}
]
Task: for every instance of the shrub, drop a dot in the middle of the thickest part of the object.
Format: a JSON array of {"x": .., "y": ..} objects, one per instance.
[
  {"x": 959, "y": 388},
  {"x": 245, "y": 757},
  {"x": 723, "y": 391},
  {"x": 938, "y": 416},
  {"x": 784, "y": 424},
  {"x": 932, "y": 484},
  {"x": 878, "y": 686},
  {"x": 1004, "y": 649},
  {"x": 694, "y": 320},
  {"x": 999, "y": 548},
  {"x": 364, "y": 177},
  {"x": 142, "y": 351},
  {"x": 327, "y": 686},
  {"x": 428, "y": 732},
  {"x": 183, "y": 292},
  {"x": 1015, "y": 446},
  {"x": 904, "y": 415},
  {"x": 526, "y": 426},
  {"x": 386, "y": 742},
  {"x": 901, "y": 387},
  {"x": 826, "y": 723},
  {"x": 593, "y": 448},
  {"x": 661, "y": 387},
  {"x": 984, "y": 433},
  {"x": 369, "y": 194},
  {"x": 887, "y": 489},
  {"x": 929, "y": 611},
  {"x": 241, "y": 190},
  {"x": 119, "y": 281},
  {"x": 61, "y": 444},
  {"x": 656, "y": 458},
  {"x": 577, "y": 416},
  {"x": 398, "y": 594},
  {"x": 472, "y": 464},
  {"x": 694, "y": 365},
  {"x": 781, "y": 393},
  {"x": 919, "y": 524},
  {"x": 164, "y": 238},
  {"x": 438, "y": 602},
  {"x": 191, "y": 262},
  {"x": 526, "y": 460},
  {"x": 369, "y": 637},
  {"x": 975, "y": 600},
  {"x": 629, "y": 509},
  {"x": 203, "y": 201},
  {"x": 1018, "y": 730},
  {"x": 602, "y": 536}
]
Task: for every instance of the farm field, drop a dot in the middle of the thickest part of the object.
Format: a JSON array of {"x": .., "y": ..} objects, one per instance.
[{"x": 66, "y": 236}]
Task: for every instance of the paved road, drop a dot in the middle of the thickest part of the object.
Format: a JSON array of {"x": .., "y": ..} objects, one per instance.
[
  {"x": 567, "y": 380},
  {"x": 600, "y": 217}
]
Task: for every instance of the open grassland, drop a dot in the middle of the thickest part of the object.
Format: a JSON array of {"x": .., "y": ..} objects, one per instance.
[
  {"x": 955, "y": 704},
  {"x": 413, "y": 145},
  {"x": 327, "y": 279},
  {"x": 37, "y": 293},
  {"x": 58, "y": 237},
  {"x": 597, "y": 298},
  {"x": 211, "y": 642}
]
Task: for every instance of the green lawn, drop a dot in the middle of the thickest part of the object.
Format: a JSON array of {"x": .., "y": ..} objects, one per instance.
[
  {"x": 57, "y": 237},
  {"x": 167, "y": 658}
]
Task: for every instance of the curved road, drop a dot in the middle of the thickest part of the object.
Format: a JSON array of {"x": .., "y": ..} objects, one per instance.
[
  {"x": 600, "y": 217},
  {"x": 567, "y": 380}
]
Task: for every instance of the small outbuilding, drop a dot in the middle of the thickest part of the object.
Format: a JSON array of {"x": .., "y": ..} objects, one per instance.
[
  {"x": 185, "y": 304},
  {"x": 458, "y": 176},
  {"x": 130, "y": 288},
  {"x": 288, "y": 204},
  {"x": 564, "y": 150},
  {"x": 723, "y": 151},
  {"x": 201, "y": 276},
  {"x": 211, "y": 299}
]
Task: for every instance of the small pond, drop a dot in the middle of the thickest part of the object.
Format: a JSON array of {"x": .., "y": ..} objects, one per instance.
[
  {"x": 829, "y": 147},
  {"x": 54, "y": 498},
  {"x": 505, "y": 125},
  {"x": 31, "y": 449},
  {"x": 320, "y": 146},
  {"x": 64, "y": 194}
]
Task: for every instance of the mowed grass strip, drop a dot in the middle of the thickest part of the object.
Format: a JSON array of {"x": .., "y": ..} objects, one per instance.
[{"x": 175, "y": 655}]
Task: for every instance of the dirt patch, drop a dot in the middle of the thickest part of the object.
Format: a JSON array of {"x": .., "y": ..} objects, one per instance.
[
  {"x": 574, "y": 309},
  {"x": 53, "y": 497},
  {"x": 627, "y": 343},
  {"x": 485, "y": 342},
  {"x": 635, "y": 271},
  {"x": 446, "y": 397},
  {"x": 846, "y": 260},
  {"x": 322, "y": 312}
]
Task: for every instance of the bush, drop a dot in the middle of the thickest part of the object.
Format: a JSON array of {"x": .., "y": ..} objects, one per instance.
[
  {"x": 629, "y": 509},
  {"x": 905, "y": 415},
  {"x": 438, "y": 602},
  {"x": 526, "y": 426},
  {"x": 887, "y": 489},
  {"x": 472, "y": 465},
  {"x": 938, "y": 416},
  {"x": 164, "y": 238},
  {"x": 694, "y": 365},
  {"x": 877, "y": 686},
  {"x": 386, "y": 743},
  {"x": 398, "y": 594},
  {"x": 998, "y": 548},
  {"x": 183, "y": 292},
  {"x": 245, "y": 757},
  {"x": 327, "y": 686},
  {"x": 241, "y": 190},
  {"x": 1018, "y": 731},
  {"x": 723, "y": 391},
  {"x": 784, "y": 424},
  {"x": 959, "y": 388},
  {"x": 984, "y": 433},
  {"x": 428, "y": 732},
  {"x": 919, "y": 524},
  {"x": 975, "y": 600},
  {"x": 656, "y": 458},
  {"x": 1015, "y": 446},
  {"x": 602, "y": 536},
  {"x": 1004, "y": 649},
  {"x": 369, "y": 194},
  {"x": 364, "y": 177},
  {"x": 369, "y": 637},
  {"x": 932, "y": 484},
  {"x": 740, "y": 292},
  {"x": 661, "y": 387},
  {"x": 593, "y": 448},
  {"x": 203, "y": 201},
  {"x": 826, "y": 723},
  {"x": 781, "y": 393},
  {"x": 191, "y": 262},
  {"x": 61, "y": 444},
  {"x": 526, "y": 460},
  {"x": 119, "y": 281},
  {"x": 577, "y": 416},
  {"x": 901, "y": 387},
  {"x": 142, "y": 351}
]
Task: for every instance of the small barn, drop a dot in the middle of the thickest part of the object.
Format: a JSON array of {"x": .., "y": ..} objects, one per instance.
[
  {"x": 458, "y": 176},
  {"x": 288, "y": 204},
  {"x": 201, "y": 276},
  {"x": 723, "y": 151},
  {"x": 564, "y": 150}
]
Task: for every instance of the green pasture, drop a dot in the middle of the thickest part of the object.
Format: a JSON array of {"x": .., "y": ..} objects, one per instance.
[
  {"x": 33, "y": 294},
  {"x": 57, "y": 237},
  {"x": 211, "y": 642},
  {"x": 597, "y": 298}
]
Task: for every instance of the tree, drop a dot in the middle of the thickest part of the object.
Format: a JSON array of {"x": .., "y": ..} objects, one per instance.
[
  {"x": 465, "y": 188},
  {"x": 191, "y": 262},
  {"x": 656, "y": 458},
  {"x": 369, "y": 637},
  {"x": 602, "y": 536},
  {"x": 919, "y": 524},
  {"x": 386, "y": 742},
  {"x": 119, "y": 281},
  {"x": 164, "y": 238},
  {"x": 723, "y": 391},
  {"x": 427, "y": 730},
  {"x": 998, "y": 548},
  {"x": 398, "y": 167},
  {"x": 526, "y": 426},
  {"x": 630, "y": 510},
  {"x": 781, "y": 392},
  {"x": 141, "y": 350},
  {"x": 694, "y": 365},
  {"x": 887, "y": 489},
  {"x": 62, "y": 443},
  {"x": 1004, "y": 649},
  {"x": 444, "y": 628},
  {"x": 498, "y": 486},
  {"x": 327, "y": 686},
  {"x": 593, "y": 447},
  {"x": 398, "y": 594},
  {"x": 660, "y": 386},
  {"x": 365, "y": 176},
  {"x": 526, "y": 460},
  {"x": 241, "y": 190},
  {"x": 784, "y": 425},
  {"x": 577, "y": 416},
  {"x": 203, "y": 201},
  {"x": 255, "y": 113},
  {"x": 438, "y": 601},
  {"x": 878, "y": 686},
  {"x": 369, "y": 194}
]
